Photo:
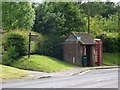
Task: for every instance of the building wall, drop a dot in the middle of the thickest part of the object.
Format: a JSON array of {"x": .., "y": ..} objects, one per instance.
[
  {"x": 73, "y": 53},
  {"x": 69, "y": 52},
  {"x": 79, "y": 53},
  {"x": 92, "y": 59}
]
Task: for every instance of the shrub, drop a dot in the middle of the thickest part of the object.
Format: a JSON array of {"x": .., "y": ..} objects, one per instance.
[
  {"x": 24, "y": 34},
  {"x": 17, "y": 41},
  {"x": 9, "y": 56},
  {"x": 51, "y": 45},
  {"x": 110, "y": 43}
]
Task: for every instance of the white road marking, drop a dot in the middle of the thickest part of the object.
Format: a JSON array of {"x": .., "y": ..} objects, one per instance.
[
  {"x": 99, "y": 80},
  {"x": 71, "y": 74},
  {"x": 84, "y": 72}
]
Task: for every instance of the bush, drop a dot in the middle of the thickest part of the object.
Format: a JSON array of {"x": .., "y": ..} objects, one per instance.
[
  {"x": 17, "y": 41},
  {"x": 24, "y": 34},
  {"x": 9, "y": 56},
  {"x": 110, "y": 43},
  {"x": 51, "y": 45}
]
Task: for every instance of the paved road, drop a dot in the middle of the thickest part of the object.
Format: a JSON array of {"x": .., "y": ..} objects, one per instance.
[{"x": 104, "y": 78}]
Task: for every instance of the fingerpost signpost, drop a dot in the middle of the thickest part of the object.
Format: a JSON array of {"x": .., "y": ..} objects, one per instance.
[{"x": 31, "y": 38}]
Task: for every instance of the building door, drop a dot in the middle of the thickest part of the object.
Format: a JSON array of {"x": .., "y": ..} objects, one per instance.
[{"x": 88, "y": 50}]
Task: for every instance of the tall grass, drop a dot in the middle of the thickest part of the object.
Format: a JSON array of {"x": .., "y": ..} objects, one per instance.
[{"x": 111, "y": 59}]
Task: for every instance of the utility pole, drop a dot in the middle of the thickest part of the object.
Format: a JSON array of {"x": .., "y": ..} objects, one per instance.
[
  {"x": 118, "y": 17},
  {"x": 88, "y": 17}
]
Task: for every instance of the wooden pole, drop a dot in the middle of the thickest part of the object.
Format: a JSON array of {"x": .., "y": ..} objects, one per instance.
[
  {"x": 88, "y": 18},
  {"x": 29, "y": 45}
]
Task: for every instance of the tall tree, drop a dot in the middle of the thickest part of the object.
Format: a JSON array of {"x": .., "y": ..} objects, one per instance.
[
  {"x": 111, "y": 24},
  {"x": 99, "y": 8},
  {"x": 58, "y": 17},
  {"x": 17, "y": 15},
  {"x": 100, "y": 24},
  {"x": 47, "y": 21}
]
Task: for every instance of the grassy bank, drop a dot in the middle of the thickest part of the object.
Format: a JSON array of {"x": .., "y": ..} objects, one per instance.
[
  {"x": 41, "y": 63},
  {"x": 110, "y": 59},
  {"x": 8, "y": 73}
]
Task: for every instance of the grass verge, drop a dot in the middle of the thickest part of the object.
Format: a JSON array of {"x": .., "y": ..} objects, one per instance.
[
  {"x": 110, "y": 59},
  {"x": 8, "y": 73},
  {"x": 41, "y": 63}
]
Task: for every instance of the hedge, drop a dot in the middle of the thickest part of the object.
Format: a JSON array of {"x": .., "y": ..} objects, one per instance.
[
  {"x": 110, "y": 43},
  {"x": 17, "y": 41},
  {"x": 24, "y": 34},
  {"x": 15, "y": 44}
]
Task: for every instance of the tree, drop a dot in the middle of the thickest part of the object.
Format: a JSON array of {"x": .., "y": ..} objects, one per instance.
[
  {"x": 99, "y": 8},
  {"x": 58, "y": 17},
  {"x": 100, "y": 24},
  {"x": 97, "y": 24},
  {"x": 111, "y": 24},
  {"x": 48, "y": 22},
  {"x": 17, "y": 15}
]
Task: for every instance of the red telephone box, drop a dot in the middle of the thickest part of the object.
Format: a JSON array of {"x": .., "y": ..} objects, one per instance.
[{"x": 98, "y": 51}]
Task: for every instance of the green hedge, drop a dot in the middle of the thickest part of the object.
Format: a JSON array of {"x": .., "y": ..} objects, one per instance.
[
  {"x": 9, "y": 56},
  {"x": 17, "y": 41},
  {"x": 15, "y": 45},
  {"x": 50, "y": 45},
  {"x": 24, "y": 34},
  {"x": 110, "y": 43}
]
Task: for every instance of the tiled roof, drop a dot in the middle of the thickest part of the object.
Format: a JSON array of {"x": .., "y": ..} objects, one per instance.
[{"x": 84, "y": 38}]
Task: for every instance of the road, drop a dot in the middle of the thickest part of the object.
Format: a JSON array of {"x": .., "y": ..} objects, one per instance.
[{"x": 103, "y": 78}]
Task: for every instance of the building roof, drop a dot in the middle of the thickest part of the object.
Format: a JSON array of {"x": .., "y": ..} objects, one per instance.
[{"x": 82, "y": 37}]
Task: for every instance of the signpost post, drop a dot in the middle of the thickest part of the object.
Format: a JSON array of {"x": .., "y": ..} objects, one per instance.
[
  {"x": 31, "y": 38},
  {"x": 29, "y": 45}
]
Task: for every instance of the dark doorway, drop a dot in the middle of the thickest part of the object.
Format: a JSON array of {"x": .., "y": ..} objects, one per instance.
[{"x": 88, "y": 55}]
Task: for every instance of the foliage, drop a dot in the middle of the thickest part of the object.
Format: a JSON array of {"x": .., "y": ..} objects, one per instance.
[
  {"x": 111, "y": 24},
  {"x": 9, "y": 56},
  {"x": 98, "y": 24},
  {"x": 9, "y": 73},
  {"x": 47, "y": 22},
  {"x": 110, "y": 43},
  {"x": 55, "y": 20},
  {"x": 58, "y": 18},
  {"x": 17, "y": 41},
  {"x": 24, "y": 33},
  {"x": 99, "y": 8},
  {"x": 41, "y": 63},
  {"x": 17, "y": 15},
  {"x": 51, "y": 46}
]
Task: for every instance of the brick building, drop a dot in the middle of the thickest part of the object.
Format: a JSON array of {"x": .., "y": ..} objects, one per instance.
[{"x": 78, "y": 44}]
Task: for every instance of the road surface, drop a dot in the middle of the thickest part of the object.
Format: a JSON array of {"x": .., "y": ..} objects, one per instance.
[{"x": 103, "y": 78}]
